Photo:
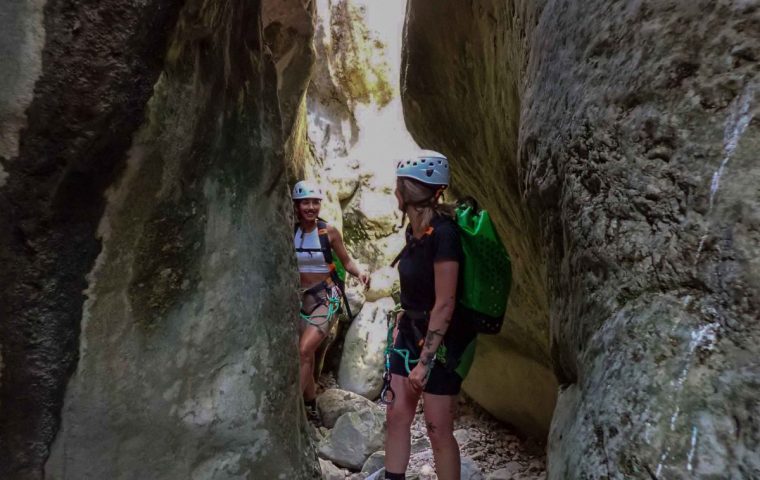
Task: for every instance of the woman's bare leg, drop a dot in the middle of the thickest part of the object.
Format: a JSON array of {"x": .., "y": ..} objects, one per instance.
[
  {"x": 439, "y": 419},
  {"x": 310, "y": 339},
  {"x": 399, "y": 418}
]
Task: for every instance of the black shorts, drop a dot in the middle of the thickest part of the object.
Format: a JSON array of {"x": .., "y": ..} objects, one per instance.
[{"x": 445, "y": 378}]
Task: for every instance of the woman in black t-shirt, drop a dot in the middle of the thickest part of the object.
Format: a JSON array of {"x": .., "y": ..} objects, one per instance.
[{"x": 428, "y": 328}]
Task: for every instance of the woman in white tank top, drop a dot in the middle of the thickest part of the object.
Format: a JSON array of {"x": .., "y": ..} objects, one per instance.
[{"x": 321, "y": 295}]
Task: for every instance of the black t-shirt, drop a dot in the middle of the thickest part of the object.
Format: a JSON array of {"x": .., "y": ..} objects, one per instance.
[{"x": 415, "y": 266}]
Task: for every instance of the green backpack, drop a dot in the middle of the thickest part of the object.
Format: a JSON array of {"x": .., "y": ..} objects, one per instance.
[{"x": 486, "y": 274}]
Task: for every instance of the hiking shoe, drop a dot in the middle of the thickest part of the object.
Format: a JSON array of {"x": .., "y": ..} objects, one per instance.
[{"x": 312, "y": 414}]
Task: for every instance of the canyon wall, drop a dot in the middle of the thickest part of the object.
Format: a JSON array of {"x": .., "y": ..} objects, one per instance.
[
  {"x": 145, "y": 226},
  {"x": 615, "y": 143}
]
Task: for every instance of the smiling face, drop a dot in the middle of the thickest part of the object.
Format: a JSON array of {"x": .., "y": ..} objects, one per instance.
[{"x": 308, "y": 209}]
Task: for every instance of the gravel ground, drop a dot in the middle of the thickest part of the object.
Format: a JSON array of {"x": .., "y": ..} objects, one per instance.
[{"x": 496, "y": 449}]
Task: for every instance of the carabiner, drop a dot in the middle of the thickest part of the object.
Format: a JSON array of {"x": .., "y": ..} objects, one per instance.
[
  {"x": 387, "y": 389},
  {"x": 387, "y": 395}
]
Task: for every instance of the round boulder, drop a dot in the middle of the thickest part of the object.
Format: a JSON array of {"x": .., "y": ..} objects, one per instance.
[
  {"x": 333, "y": 403},
  {"x": 362, "y": 363},
  {"x": 354, "y": 438}
]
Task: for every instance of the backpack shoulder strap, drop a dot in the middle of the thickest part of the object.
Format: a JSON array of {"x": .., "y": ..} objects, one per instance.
[
  {"x": 307, "y": 250},
  {"x": 324, "y": 241}
]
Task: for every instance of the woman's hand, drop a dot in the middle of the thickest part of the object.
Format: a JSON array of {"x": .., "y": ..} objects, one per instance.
[
  {"x": 364, "y": 278},
  {"x": 418, "y": 377},
  {"x": 336, "y": 242}
]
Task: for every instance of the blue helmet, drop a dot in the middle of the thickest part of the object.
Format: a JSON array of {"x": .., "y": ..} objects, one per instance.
[{"x": 427, "y": 166}]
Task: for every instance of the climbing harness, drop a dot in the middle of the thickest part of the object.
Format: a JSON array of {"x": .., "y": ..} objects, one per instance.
[
  {"x": 337, "y": 270},
  {"x": 387, "y": 395},
  {"x": 333, "y": 303}
]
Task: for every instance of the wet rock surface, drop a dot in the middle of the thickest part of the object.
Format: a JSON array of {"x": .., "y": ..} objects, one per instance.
[{"x": 619, "y": 140}]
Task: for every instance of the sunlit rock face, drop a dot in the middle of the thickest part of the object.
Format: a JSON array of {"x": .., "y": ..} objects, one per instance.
[
  {"x": 351, "y": 130},
  {"x": 616, "y": 143},
  {"x": 147, "y": 286},
  {"x": 354, "y": 122}
]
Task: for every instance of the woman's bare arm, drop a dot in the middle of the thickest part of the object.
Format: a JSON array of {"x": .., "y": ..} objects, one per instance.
[{"x": 336, "y": 241}]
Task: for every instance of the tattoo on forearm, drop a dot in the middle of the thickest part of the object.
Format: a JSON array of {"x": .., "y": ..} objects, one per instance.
[{"x": 430, "y": 338}]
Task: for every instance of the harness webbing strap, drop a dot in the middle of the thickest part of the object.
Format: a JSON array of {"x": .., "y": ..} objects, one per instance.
[
  {"x": 326, "y": 249},
  {"x": 333, "y": 305}
]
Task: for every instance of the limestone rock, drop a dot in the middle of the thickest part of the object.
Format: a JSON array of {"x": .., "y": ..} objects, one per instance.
[
  {"x": 356, "y": 297},
  {"x": 530, "y": 407},
  {"x": 333, "y": 403},
  {"x": 617, "y": 171},
  {"x": 142, "y": 203},
  {"x": 376, "y": 252},
  {"x": 470, "y": 469},
  {"x": 376, "y": 475},
  {"x": 508, "y": 472},
  {"x": 362, "y": 364},
  {"x": 420, "y": 444},
  {"x": 375, "y": 462},
  {"x": 373, "y": 213},
  {"x": 462, "y": 436},
  {"x": 381, "y": 283},
  {"x": 330, "y": 471},
  {"x": 343, "y": 176},
  {"x": 354, "y": 438}
]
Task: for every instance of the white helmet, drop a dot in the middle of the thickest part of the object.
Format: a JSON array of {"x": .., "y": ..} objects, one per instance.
[
  {"x": 427, "y": 167},
  {"x": 305, "y": 189}
]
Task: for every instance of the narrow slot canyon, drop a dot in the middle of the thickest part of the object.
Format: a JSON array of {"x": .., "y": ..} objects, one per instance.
[{"x": 148, "y": 288}]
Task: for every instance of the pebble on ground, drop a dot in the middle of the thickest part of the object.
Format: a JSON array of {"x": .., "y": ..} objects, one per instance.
[{"x": 494, "y": 447}]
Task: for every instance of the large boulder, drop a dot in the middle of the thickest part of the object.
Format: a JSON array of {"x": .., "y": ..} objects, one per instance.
[
  {"x": 354, "y": 438},
  {"x": 330, "y": 471},
  {"x": 382, "y": 283},
  {"x": 614, "y": 144},
  {"x": 375, "y": 462},
  {"x": 333, "y": 403},
  {"x": 362, "y": 364}
]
